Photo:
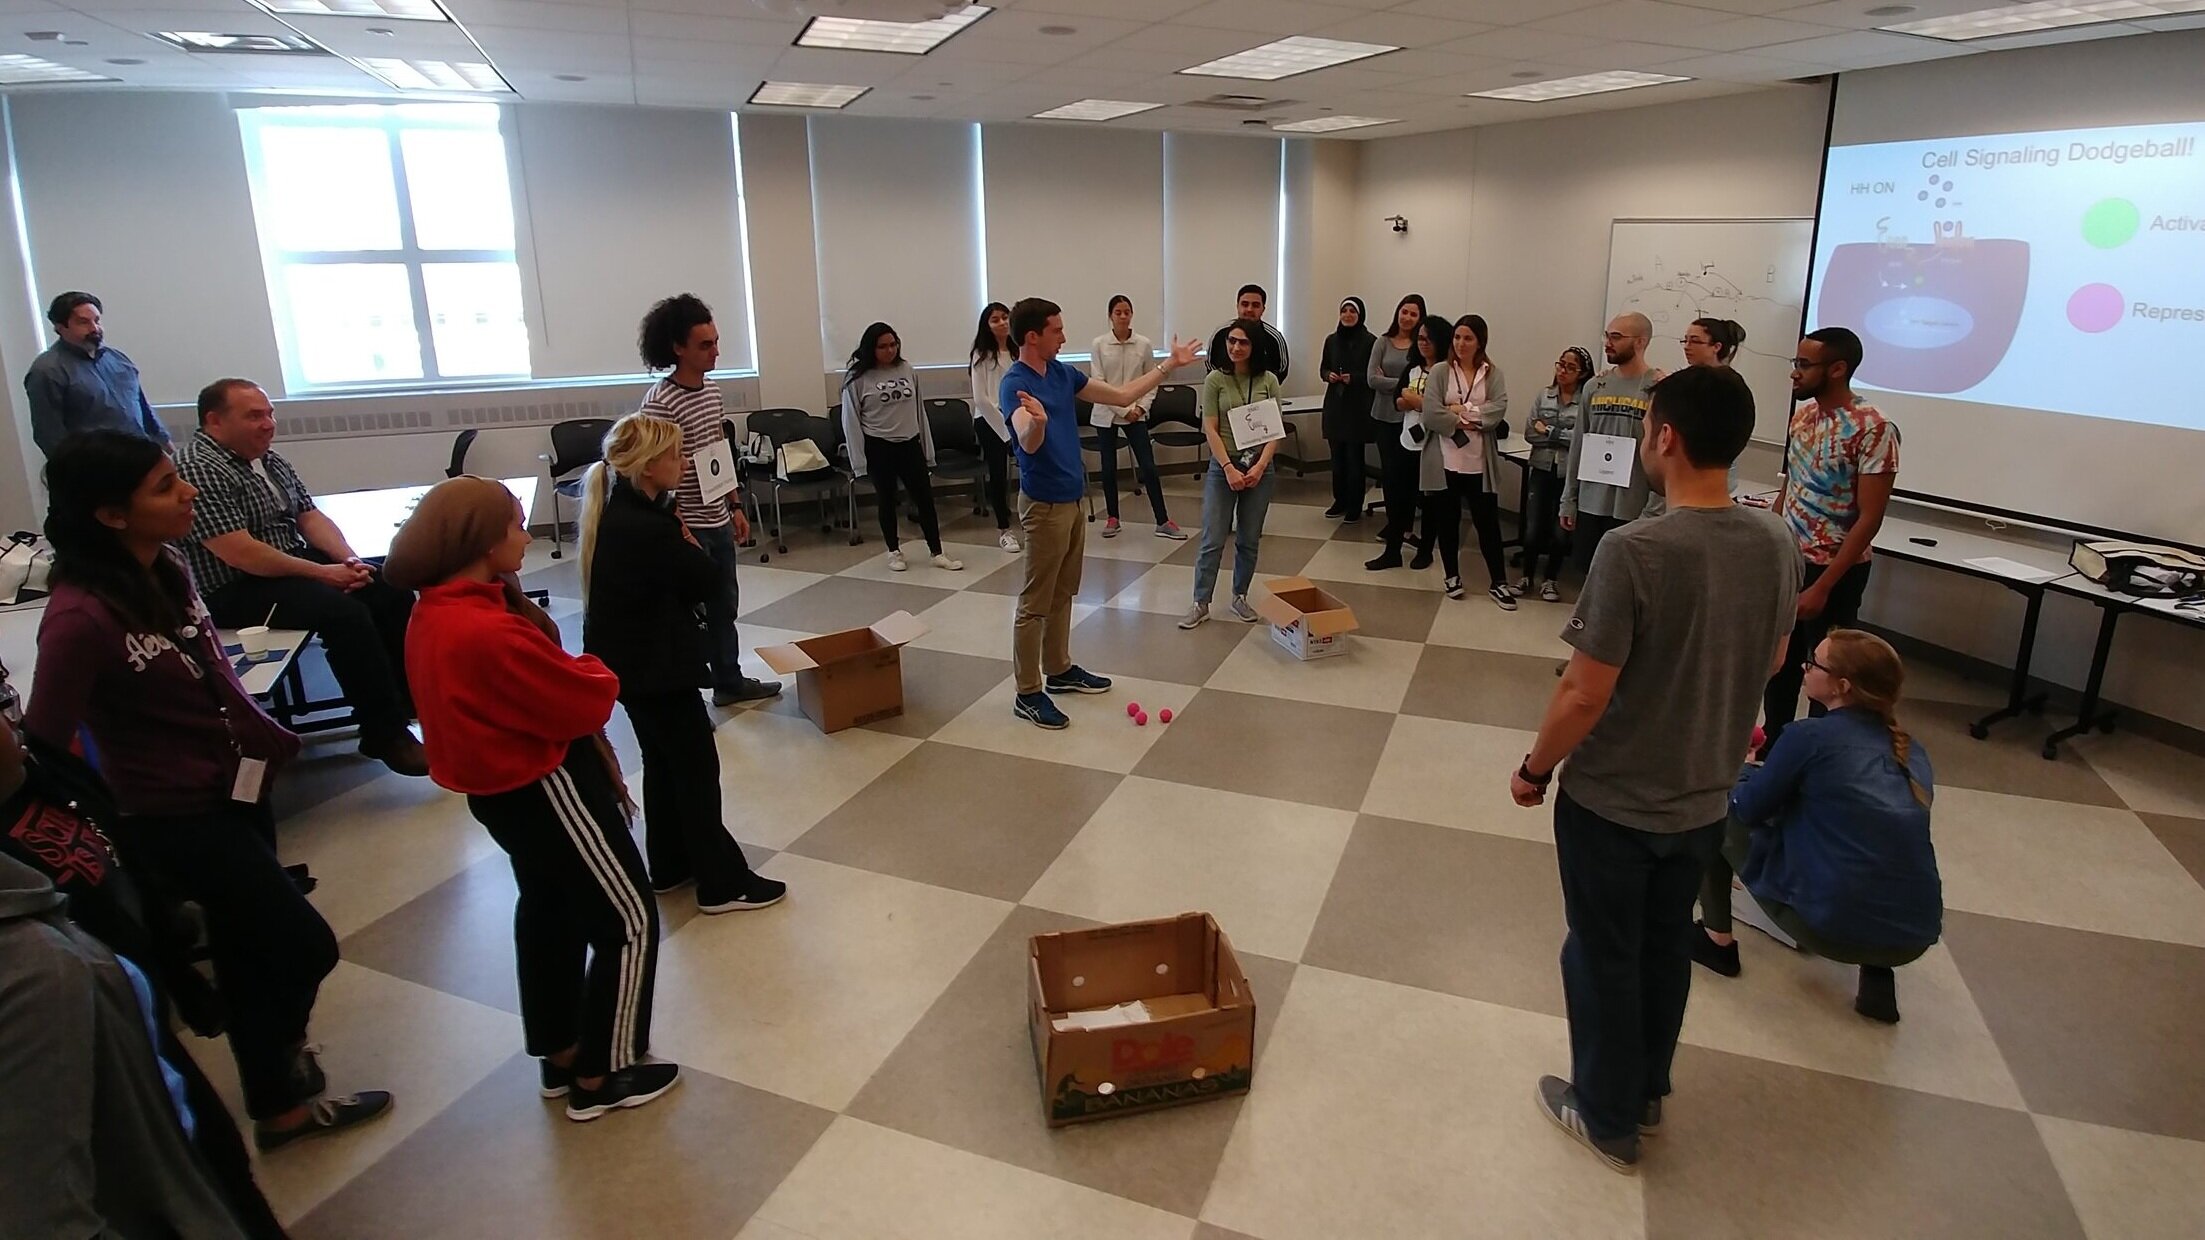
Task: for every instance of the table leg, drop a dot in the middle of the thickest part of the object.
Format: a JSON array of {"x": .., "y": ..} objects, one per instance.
[
  {"x": 2018, "y": 697},
  {"x": 2087, "y": 715}
]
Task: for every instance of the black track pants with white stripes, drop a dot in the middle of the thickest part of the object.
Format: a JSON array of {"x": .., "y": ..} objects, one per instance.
[{"x": 585, "y": 929}]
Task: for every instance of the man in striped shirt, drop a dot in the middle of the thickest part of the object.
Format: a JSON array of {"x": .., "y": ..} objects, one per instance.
[{"x": 678, "y": 334}]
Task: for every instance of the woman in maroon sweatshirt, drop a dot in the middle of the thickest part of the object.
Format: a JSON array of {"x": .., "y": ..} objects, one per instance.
[
  {"x": 126, "y": 653},
  {"x": 512, "y": 720}
]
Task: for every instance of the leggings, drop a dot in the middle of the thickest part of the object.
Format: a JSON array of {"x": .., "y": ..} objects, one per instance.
[
  {"x": 997, "y": 454},
  {"x": 1397, "y": 474},
  {"x": 1443, "y": 521},
  {"x": 893, "y": 462}
]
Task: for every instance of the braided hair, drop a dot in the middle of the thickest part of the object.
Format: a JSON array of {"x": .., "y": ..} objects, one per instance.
[{"x": 1869, "y": 664}]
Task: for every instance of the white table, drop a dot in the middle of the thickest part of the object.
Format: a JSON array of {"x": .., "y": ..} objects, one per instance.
[
  {"x": 370, "y": 519},
  {"x": 262, "y": 675},
  {"x": 2111, "y": 605}
]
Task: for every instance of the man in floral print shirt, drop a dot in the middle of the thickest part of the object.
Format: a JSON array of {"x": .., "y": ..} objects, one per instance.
[{"x": 1840, "y": 462}]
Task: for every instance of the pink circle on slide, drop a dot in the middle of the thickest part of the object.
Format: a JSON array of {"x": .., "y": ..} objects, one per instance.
[{"x": 2095, "y": 307}]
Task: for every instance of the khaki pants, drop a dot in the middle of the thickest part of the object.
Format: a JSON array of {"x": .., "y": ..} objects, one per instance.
[{"x": 1056, "y": 544}]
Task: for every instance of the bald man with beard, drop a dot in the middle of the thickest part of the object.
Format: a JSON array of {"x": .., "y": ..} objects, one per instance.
[{"x": 1615, "y": 402}]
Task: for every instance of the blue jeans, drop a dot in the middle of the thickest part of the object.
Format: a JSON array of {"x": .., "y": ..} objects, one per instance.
[
  {"x": 726, "y": 654},
  {"x": 1239, "y": 513}
]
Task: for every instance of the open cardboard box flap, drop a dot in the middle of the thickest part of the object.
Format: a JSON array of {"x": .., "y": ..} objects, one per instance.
[
  {"x": 798, "y": 656},
  {"x": 1298, "y": 600}
]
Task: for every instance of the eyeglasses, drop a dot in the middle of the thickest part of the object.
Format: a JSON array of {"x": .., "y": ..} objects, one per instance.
[
  {"x": 1237, "y": 342},
  {"x": 1615, "y": 336},
  {"x": 1808, "y": 664},
  {"x": 1801, "y": 363},
  {"x": 1692, "y": 340}
]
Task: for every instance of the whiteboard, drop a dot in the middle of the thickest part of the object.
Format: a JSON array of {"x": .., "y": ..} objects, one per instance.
[{"x": 1753, "y": 271}]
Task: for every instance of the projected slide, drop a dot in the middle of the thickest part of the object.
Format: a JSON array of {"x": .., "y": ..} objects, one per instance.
[{"x": 2060, "y": 271}]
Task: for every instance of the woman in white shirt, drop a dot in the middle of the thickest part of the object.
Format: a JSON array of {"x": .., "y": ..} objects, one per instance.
[
  {"x": 1120, "y": 356},
  {"x": 1470, "y": 387},
  {"x": 992, "y": 354}
]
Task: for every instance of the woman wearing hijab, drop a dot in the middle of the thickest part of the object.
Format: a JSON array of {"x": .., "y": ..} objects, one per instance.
[
  {"x": 1391, "y": 356},
  {"x": 1346, "y": 365}
]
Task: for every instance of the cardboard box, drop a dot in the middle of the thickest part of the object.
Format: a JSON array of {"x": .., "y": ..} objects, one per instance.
[
  {"x": 848, "y": 678},
  {"x": 1306, "y": 621},
  {"x": 1139, "y": 1016}
]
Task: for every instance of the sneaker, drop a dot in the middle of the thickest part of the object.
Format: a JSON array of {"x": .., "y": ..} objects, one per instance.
[
  {"x": 1550, "y": 591},
  {"x": 756, "y": 891},
  {"x": 1502, "y": 598},
  {"x": 632, "y": 1086},
  {"x": 1717, "y": 957},
  {"x": 942, "y": 561},
  {"x": 1649, "y": 1120},
  {"x": 1454, "y": 587},
  {"x": 1194, "y": 618},
  {"x": 1008, "y": 541},
  {"x": 1336, "y": 511},
  {"x": 1557, "y": 1100},
  {"x": 1110, "y": 527},
  {"x": 307, "y": 1080},
  {"x": 1171, "y": 530},
  {"x": 1389, "y": 558},
  {"x": 399, "y": 751},
  {"x": 1076, "y": 679},
  {"x": 1352, "y": 518},
  {"x": 751, "y": 689},
  {"x": 302, "y": 878},
  {"x": 668, "y": 886},
  {"x": 896, "y": 562},
  {"x": 1877, "y": 998},
  {"x": 325, "y": 1116},
  {"x": 1039, "y": 710},
  {"x": 1242, "y": 611},
  {"x": 1520, "y": 589},
  {"x": 557, "y": 1081},
  {"x": 1423, "y": 558}
]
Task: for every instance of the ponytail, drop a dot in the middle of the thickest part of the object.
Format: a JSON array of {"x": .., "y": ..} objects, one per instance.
[{"x": 595, "y": 485}]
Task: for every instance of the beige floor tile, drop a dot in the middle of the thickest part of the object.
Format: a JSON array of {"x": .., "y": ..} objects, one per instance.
[
  {"x": 938, "y": 686},
  {"x": 1383, "y": 1110},
  {"x": 2184, "y": 837},
  {"x": 390, "y": 839},
  {"x": 978, "y": 559},
  {"x": 1139, "y": 542},
  {"x": 1934, "y": 682},
  {"x": 1154, "y": 849},
  {"x": 1798, "y": 1009},
  {"x": 2152, "y": 778},
  {"x": 2069, "y": 865},
  {"x": 811, "y": 551},
  {"x": 976, "y": 623},
  {"x": 1482, "y": 686},
  {"x": 1454, "y": 774},
  {"x": 1374, "y": 674},
  {"x": 762, "y": 587},
  {"x": 864, "y": 1182},
  {"x": 1168, "y": 589},
  {"x": 376, "y": 1032},
  {"x": 1534, "y": 628},
  {"x": 1271, "y": 747},
  {"x": 2128, "y": 1185},
  {"x": 833, "y": 604},
  {"x": 2008, "y": 761},
  {"x": 1342, "y": 560},
  {"x": 1275, "y": 556},
  {"x": 1299, "y": 521},
  {"x": 1101, "y": 577},
  {"x": 807, "y": 998},
  {"x": 779, "y": 774},
  {"x": 1101, "y": 736},
  {"x": 1118, "y": 641}
]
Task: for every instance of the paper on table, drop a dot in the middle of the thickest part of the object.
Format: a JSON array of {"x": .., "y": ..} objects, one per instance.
[{"x": 2013, "y": 568}]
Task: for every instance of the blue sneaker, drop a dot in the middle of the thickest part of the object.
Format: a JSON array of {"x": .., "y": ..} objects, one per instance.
[
  {"x": 1076, "y": 679},
  {"x": 1039, "y": 710}
]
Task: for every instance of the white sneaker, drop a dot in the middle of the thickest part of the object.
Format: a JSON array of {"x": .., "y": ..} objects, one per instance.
[
  {"x": 1008, "y": 541},
  {"x": 896, "y": 562},
  {"x": 943, "y": 562}
]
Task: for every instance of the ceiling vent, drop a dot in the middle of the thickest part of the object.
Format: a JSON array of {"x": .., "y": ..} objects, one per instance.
[{"x": 1240, "y": 103}]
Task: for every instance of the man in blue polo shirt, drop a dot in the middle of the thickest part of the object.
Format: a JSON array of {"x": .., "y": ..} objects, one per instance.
[{"x": 1038, "y": 399}]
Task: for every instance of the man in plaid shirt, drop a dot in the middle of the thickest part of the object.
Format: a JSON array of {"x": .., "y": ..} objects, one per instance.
[{"x": 259, "y": 548}]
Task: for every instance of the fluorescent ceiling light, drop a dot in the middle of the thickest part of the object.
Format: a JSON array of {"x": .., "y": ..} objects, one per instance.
[
  {"x": 17, "y": 69},
  {"x": 857, "y": 34},
  {"x": 402, "y": 10},
  {"x": 261, "y": 44},
  {"x": 1328, "y": 124},
  {"x": 806, "y": 95},
  {"x": 471, "y": 76},
  {"x": 2027, "y": 18},
  {"x": 1287, "y": 57},
  {"x": 1582, "y": 84},
  {"x": 1095, "y": 110}
]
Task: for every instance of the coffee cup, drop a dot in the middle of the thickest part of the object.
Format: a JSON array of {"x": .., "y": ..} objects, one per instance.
[{"x": 254, "y": 638}]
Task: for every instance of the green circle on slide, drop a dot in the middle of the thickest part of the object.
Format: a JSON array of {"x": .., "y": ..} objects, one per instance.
[{"x": 2110, "y": 223}]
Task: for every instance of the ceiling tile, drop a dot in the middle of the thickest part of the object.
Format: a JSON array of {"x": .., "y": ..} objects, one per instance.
[
  {"x": 1853, "y": 14},
  {"x": 537, "y": 15},
  {"x": 740, "y": 58},
  {"x": 1517, "y": 43},
  {"x": 1741, "y": 67},
  {"x": 1619, "y": 55},
  {"x": 1262, "y": 20},
  {"x": 1128, "y": 10},
  {"x": 1864, "y": 49},
  {"x": 553, "y": 51},
  {"x": 811, "y": 64},
  {"x": 756, "y": 31},
  {"x": 1492, "y": 12},
  {"x": 1400, "y": 30}
]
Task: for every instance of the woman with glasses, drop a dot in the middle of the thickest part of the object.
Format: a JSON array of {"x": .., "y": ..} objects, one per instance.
[
  {"x": 1391, "y": 357},
  {"x": 1712, "y": 342},
  {"x": 1553, "y": 420},
  {"x": 1237, "y": 491},
  {"x": 1461, "y": 402},
  {"x": 1831, "y": 837}
]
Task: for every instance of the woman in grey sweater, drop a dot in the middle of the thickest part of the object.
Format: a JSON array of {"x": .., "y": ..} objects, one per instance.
[
  {"x": 890, "y": 441},
  {"x": 1390, "y": 359}
]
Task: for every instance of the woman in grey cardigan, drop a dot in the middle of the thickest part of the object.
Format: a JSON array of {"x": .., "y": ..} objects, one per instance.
[
  {"x": 1553, "y": 421},
  {"x": 1460, "y": 409},
  {"x": 1390, "y": 359},
  {"x": 890, "y": 441}
]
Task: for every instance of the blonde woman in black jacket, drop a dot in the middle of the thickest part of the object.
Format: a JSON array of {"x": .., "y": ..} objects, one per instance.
[{"x": 645, "y": 582}]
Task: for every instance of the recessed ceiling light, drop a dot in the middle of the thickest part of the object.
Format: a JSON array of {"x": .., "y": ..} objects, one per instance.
[
  {"x": 1287, "y": 57},
  {"x": 403, "y": 10},
  {"x": 2028, "y": 18},
  {"x": 45, "y": 36},
  {"x": 256, "y": 44},
  {"x": 1525, "y": 75},
  {"x": 19, "y": 69},
  {"x": 1327, "y": 124},
  {"x": 382, "y": 32},
  {"x": 806, "y": 95},
  {"x": 1059, "y": 30},
  {"x": 569, "y": 77},
  {"x": 1095, "y": 110},
  {"x": 125, "y": 60},
  {"x": 922, "y": 98},
  {"x": 1891, "y": 10},
  {"x": 1582, "y": 84},
  {"x": 857, "y": 34},
  {"x": 470, "y": 76}
]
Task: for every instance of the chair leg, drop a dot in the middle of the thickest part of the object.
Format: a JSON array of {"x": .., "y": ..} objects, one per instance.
[{"x": 555, "y": 524}]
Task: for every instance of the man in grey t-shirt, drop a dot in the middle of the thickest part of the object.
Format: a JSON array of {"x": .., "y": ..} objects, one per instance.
[{"x": 1680, "y": 621}]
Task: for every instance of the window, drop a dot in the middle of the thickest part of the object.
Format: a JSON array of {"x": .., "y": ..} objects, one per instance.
[{"x": 387, "y": 236}]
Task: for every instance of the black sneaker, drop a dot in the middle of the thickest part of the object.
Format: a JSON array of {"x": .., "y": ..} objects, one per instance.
[
  {"x": 1389, "y": 558},
  {"x": 1076, "y": 679},
  {"x": 755, "y": 891},
  {"x": 1423, "y": 558},
  {"x": 1041, "y": 711},
  {"x": 1649, "y": 1120},
  {"x": 302, "y": 878},
  {"x": 1715, "y": 956},
  {"x": 1557, "y": 1100},
  {"x": 556, "y": 1080},
  {"x": 750, "y": 690},
  {"x": 632, "y": 1086},
  {"x": 668, "y": 886},
  {"x": 1878, "y": 996},
  {"x": 325, "y": 1116},
  {"x": 307, "y": 1081}
]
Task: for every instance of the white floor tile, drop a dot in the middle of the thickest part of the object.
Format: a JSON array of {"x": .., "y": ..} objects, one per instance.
[
  {"x": 1454, "y": 774},
  {"x": 2083, "y": 866}
]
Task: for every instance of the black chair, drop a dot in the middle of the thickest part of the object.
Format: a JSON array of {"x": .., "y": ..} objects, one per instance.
[
  {"x": 957, "y": 457},
  {"x": 1179, "y": 406},
  {"x": 460, "y": 443},
  {"x": 575, "y": 446},
  {"x": 743, "y": 477},
  {"x": 785, "y": 426}
]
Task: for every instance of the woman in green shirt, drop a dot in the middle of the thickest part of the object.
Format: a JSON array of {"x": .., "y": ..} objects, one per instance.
[{"x": 1237, "y": 492}]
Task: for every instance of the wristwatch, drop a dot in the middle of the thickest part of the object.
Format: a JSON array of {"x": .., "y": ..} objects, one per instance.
[{"x": 1523, "y": 772}]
